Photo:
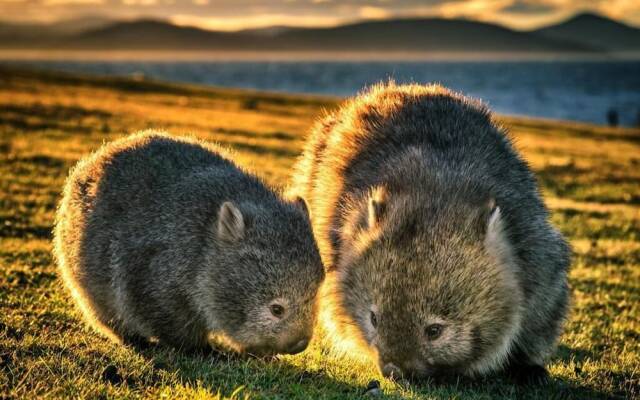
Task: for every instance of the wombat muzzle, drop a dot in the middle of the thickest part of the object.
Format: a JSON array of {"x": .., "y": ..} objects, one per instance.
[{"x": 298, "y": 347}]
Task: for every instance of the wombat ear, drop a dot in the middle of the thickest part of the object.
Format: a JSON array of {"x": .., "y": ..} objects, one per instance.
[
  {"x": 301, "y": 204},
  {"x": 377, "y": 207},
  {"x": 494, "y": 222},
  {"x": 496, "y": 240},
  {"x": 230, "y": 222}
]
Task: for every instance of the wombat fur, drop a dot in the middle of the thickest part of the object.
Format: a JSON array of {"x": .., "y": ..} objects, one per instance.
[
  {"x": 160, "y": 238},
  {"x": 439, "y": 254}
]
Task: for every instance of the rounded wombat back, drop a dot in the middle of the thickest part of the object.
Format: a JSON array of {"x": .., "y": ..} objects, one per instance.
[
  {"x": 156, "y": 235},
  {"x": 437, "y": 245}
]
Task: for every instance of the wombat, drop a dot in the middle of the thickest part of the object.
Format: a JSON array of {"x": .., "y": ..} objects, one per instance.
[
  {"x": 165, "y": 239},
  {"x": 439, "y": 254}
]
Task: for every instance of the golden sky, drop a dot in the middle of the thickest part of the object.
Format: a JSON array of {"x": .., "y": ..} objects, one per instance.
[{"x": 239, "y": 14}]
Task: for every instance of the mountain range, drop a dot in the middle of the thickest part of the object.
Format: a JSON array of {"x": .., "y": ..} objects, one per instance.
[
  {"x": 595, "y": 31},
  {"x": 584, "y": 33}
]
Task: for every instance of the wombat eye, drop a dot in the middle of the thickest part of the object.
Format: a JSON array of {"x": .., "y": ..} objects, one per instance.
[
  {"x": 277, "y": 310},
  {"x": 434, "y": 331},
  {"x": 374, "y": 319}
]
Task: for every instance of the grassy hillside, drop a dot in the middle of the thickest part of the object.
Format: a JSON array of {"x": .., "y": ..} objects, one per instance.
[{"x": 590, "y": 176}]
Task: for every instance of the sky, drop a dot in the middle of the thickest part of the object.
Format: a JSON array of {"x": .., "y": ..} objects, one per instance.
[{"x": 240, "y": 14}]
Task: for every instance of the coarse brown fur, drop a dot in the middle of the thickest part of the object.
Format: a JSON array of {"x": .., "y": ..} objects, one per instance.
[
  {"x": 439, "y": 253},
  {"x": 165, "y": 238}
]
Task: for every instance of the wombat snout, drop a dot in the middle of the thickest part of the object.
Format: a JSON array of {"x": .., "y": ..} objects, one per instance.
[
  {"x": 297, "y": 347},
  {"x": 390, "y": 370},
  {"x": 408, "y": 370}
]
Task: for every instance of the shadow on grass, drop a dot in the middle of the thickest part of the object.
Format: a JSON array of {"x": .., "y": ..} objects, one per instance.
[
  {"x": 25, "y": 125},
  {"x": 578, "y": 183},
  {"x": 591, "y": 285},
  {"x": 500, "y": 386},
  {"x": 594, "y": 225},
  {"x": 579, "y": 356},
  {"x": 621, "y": 261},
  {"x": 571, "y": 130},
  {"x": 225, "y": 373},
  {"x": 240, "y": 133},
  {"x": 11, "y": 226},
  {"x": 39, "y": 160},
  {"x": 38, "y": 117},
  {"x": 54, "y": 111},
  {"x": 567, "y": 354},
  {"x": 258, "y": 149}
]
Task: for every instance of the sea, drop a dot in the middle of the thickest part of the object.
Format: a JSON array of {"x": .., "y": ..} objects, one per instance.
[{"x": 595, "y": 91}]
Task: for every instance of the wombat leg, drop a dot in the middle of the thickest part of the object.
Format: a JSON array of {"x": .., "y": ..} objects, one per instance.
[
  {"x": 137, "y": 342},
  {"x": 205, "y": 351},
  {"x": 202, "y": 351},
  {"x": 523, "y": 373}
]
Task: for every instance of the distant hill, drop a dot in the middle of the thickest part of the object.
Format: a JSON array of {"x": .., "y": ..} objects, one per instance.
[
  {"x": 269, "y": 30},
  {"x": 425, "y": 34},
  {"x": 595, "y": 31},
  {"x": 156, "y": 34},
  {"x": 392, "y": 35},
  {"x": 13, "y": 34},
  {"x": 79, "y": 25},
  {"x": 399, "y": 35}
]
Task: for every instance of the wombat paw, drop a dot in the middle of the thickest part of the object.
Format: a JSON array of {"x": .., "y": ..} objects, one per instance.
[
  {"x": 528, "y": 374},
  {"x": 137, "y": 342}
]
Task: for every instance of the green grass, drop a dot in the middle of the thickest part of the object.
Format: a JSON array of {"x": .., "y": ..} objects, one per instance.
[{"x": 590, "y": 176}]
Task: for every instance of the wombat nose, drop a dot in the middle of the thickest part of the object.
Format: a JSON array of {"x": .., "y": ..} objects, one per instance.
[
  {"x": 298, "y": 347},
  {"x": 391, "y": 371}
]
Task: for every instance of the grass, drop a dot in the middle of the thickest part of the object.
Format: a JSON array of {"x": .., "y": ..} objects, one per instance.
[{"x": 590, "y": 176}]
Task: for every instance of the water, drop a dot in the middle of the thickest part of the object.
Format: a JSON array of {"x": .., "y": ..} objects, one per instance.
[{"x": 570, "y": 90}]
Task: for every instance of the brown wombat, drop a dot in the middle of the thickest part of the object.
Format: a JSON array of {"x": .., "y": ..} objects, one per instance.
[
  {"x": 439, "y": 253},
  {"x": 166, "y": 239}
]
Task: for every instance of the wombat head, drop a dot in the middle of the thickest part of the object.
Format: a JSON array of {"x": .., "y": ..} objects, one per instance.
[
  {"x": 427, "y": 285},
  {"x": 261, "y": 297}
]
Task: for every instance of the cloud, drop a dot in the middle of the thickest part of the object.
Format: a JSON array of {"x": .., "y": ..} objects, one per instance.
[
  {"x": 528, "y": 7},
  {"x": 139, "y": 2},
  {"x": 70, "y": 2},
  {"x": 236, "y": 14},
  {"x": 252, "y": 21},
  {"x": 472, "y": 8},
  {"x": 369, "y": 12}
]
